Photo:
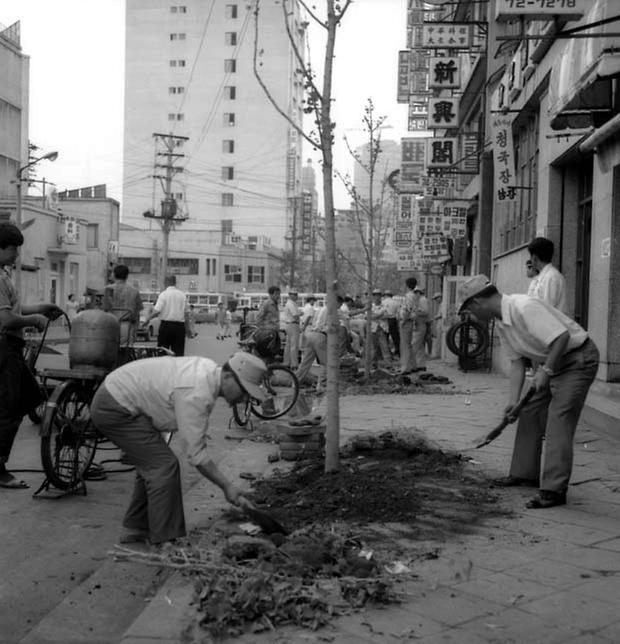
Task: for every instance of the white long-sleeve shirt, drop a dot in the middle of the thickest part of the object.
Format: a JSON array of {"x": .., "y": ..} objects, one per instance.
[
  {"x": 177, "y": 394},
  {"x": 550, "y": 287}
]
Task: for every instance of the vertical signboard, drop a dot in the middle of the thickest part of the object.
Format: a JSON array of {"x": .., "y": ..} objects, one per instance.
[
  {"x": 402, "y": 92},
  {"x": 503, "y": 158}
]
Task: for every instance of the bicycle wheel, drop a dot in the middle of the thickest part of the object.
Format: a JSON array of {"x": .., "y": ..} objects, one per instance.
[
  {"x": 68, "y": 436},
  {"x": 282, "y": 388}
]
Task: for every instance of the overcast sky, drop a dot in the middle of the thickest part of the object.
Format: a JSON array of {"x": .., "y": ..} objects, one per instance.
[{"x": 76, "y": 50}]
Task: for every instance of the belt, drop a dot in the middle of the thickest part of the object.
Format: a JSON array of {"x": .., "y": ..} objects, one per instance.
[
  {"x": 579, "y": 348},
  {"x": 174, "y": 321}
]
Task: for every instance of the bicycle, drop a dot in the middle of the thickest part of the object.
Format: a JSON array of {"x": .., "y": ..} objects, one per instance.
[
  {"x": 280, "y": 382},
  {"x": 69, "y": 438}
]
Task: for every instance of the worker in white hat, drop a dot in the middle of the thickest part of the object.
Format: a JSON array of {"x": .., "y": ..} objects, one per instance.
[
  {"x": 144, "y": 399},
  {"x": 568, "y": 362}
]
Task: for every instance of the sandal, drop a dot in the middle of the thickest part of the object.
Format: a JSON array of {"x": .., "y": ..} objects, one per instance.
[{"x": 14, "y": 484}]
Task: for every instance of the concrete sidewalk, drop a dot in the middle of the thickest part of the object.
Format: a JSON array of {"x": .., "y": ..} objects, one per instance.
[{"x": 539, "y": 576}]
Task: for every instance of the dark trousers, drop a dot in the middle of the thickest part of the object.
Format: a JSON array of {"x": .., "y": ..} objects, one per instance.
[
  {"x": 554, "y": 414},
  {"x": 394, "y": 334},
  {"x": 156, "y": 504},
  {"x": 172, "y": 336},
  {"x": 19, "y": 393}
]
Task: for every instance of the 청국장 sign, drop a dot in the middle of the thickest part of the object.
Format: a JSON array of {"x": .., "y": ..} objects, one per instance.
[{"x": 503, "y": 158}]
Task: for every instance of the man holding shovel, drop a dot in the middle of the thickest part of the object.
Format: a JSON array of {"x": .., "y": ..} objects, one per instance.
[
  {"x": 568, "y": 362},
  {"x": 144, "y": 399}
]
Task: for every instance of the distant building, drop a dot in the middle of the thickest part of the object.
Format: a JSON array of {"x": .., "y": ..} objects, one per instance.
[
  {"x": 14, "y": 75},
  {"x": 202, "y": 263},
  {"x": 388, "y": 160},
  {"x": 189, "y": 72}
]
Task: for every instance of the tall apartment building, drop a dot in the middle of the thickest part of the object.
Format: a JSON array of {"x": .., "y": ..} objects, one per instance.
[
  {"x": 189, "y": 72},
  {"x": 14, "y": 71}
]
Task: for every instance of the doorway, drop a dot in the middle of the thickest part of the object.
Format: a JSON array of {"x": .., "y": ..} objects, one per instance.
[{"x": 584, "y": 240}]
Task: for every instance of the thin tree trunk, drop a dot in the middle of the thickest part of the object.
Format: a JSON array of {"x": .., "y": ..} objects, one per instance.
[{"x": 332, "y": 456}]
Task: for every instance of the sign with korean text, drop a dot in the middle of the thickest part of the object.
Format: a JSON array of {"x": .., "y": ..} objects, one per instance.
[
  {"x": 441, "y": 152},
  {"x": 436, "y": 186},
  {"x": 413, "y": 150},
  {"x": 503, "y": 158},
  {"x": 418, "y": 83},
  {"x": 404, "y": 223},
  {"x": 540, "y": 9},
  {"x": 419, "y": 59},
  {"x": 444, "y": 72},
  {"x": 419, "y": 124},
  {"x": 443, "y": 113},
  {"x": 470, "y": 153},
  {"x": 402, "y": 92},
  {"x": 306, "y": 222},
  {"x": 446, "y": 35},
  {"x": 455, "y": 219},
  {"x": 410, "y": 174},
  {"x": 429, "y": 224},
  {"x": 435, "y": 248}
]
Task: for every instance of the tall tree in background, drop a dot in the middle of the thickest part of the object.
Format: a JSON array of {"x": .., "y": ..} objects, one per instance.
[
  {"x": 318, "y": 103},
  {"x": 370, "y": 214}
]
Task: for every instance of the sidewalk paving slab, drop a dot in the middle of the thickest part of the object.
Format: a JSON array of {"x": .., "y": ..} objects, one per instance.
[{"x": 537, "y": 576}]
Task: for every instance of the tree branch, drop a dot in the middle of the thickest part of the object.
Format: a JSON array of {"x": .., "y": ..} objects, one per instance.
[
  {"x": 340, "y": 16},
  {"x": 307, "y": 73},
  {"x": 312, "y": 14},
  {"x": 313, "y": 142}
]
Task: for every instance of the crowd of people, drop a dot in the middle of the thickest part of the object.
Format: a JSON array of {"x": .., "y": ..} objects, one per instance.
[{"x": 141, "y": 400}]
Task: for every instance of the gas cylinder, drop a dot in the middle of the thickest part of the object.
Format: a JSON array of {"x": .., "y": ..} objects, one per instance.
[{"x": 94, "y": 340}]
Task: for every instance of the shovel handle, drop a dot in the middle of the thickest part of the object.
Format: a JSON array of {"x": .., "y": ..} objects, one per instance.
[{"x": 516, "y": 410}]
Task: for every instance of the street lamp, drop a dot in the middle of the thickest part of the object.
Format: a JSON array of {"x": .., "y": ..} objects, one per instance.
[{"x": 50, "y": 156}]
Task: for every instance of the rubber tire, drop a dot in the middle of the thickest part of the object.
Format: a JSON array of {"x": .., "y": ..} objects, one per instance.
[
  {"x": 62, "y": 395},
  {"x": 480, "y": 346},
  {"x": 271, "y": 370}
]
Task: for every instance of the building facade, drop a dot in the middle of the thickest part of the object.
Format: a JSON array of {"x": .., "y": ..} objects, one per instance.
[
  {"x": 189, "y": 72},
  {"x": 204, "y": 263},
  {"x": 14, "y": 75}
]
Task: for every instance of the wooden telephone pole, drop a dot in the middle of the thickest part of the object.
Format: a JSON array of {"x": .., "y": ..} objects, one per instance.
[{"x": 168, "y": 214}]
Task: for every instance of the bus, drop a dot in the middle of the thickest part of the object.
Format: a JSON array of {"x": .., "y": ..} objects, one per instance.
[{"x": 207, "y": 300}]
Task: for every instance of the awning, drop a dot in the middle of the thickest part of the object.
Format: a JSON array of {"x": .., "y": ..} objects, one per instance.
[{"x": 580, "y": 84}]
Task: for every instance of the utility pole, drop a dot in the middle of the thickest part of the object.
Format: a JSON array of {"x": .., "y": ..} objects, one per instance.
[
  {"x": 293, "y": 244},
  {"x": 168, "y": 216}
]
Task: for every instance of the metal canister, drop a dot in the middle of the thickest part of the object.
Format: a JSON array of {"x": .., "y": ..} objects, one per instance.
[{"x": 94, "y": 340}]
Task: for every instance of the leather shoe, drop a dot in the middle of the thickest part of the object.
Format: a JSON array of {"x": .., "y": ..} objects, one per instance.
[
  {"x": 546, "y": 499},
  {"x": 514, "y": 481}
]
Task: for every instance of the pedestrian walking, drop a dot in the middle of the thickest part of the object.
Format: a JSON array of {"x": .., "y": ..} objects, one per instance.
[
  {"x": 437, "y": 326},
  {"x": 220, "y": 319},
  {"x": 381, "y": 355},
  {"x": 549, "y": 285},
  {"x": 316, "y": 349},
  {"x": 290, "y": 319},
  {"x": 191, "y": 321},
  {"x": 139, "y": 401},
  {"x": 406, "y": 319},
  {"x": 19, "y": 391},
  {"x": 567, "y": 362},
  {"x": 392, "y": 308},
  {"x": 420, "y": 333},
  {"x": 125, "y": 302},
  {"x": 72, "y": 307},
  {"x": 172, "y": 309}
]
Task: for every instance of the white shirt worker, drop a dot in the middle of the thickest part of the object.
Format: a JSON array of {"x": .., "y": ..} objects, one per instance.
[{"x": 550, "y": 287}]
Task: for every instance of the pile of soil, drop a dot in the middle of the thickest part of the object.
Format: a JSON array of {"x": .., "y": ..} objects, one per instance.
[{"x": 388, "y": 479}]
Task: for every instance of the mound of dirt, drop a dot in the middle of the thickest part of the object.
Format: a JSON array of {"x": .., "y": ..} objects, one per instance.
[{"x": 383, "y": 479}]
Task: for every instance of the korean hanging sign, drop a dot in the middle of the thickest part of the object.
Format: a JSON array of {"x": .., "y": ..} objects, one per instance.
[
  {"x": 443, "y": 113},
  {"x": 441, "y": 153},
  {"x": 503, "y": 158},
  {"x": 445, "y": 72},
  {"x": 446, "y": 35}
]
